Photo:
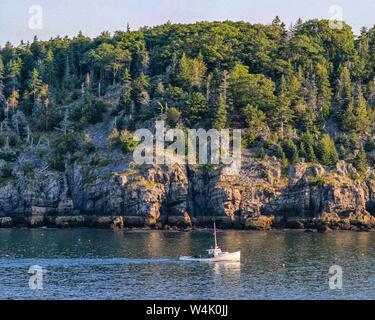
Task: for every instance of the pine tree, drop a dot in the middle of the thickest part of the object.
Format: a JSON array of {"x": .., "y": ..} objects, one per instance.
[
  {"x": 342, "y": 152},
  {"x": 291, "y": 151},
  {"x": 362, "y": 119},
  {"x": 295, "y": 158},
  {"x": 283, "y": 113},
  {"x": 356, "y": 117},
  {"x": 198, "y": 71},
  {"x": 183, "y": 76},
  {"x": 344, "y": 97},
  {"x": 221, "y": 115},
  {"x": 65, "y": 125},
  {"x": 360, "y": 162},
  {"x": 13, "y": 71},
  {"x": 313, "y": 111},
  {"x": 255, "y": 120},
  {"x": 363, "y": 53},
  {"x": 141, "y": 61},
  {"x": 190, "y": 72},
  {"x": 2, "y": 96},
  {"x": 262, "y": 154},
  {"x": 35, "y": 84},
  {"x": 49, "y": 71},
  {"x": 324, "y": 90},
  {"x": 310, "y": 153},
  {"x": 308, "y": 142},
  {"x": 126, "y": 102},
  {"x": 327, "y": 151},
  {"x": 218, "y": 99},
  {"x": 12, "y": 102},
  {"x": 67, "y": 80},
  {"x": 281, "y": 155}
]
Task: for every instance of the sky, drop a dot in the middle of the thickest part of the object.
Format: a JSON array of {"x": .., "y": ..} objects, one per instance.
[{"x": 20, "y": 19}]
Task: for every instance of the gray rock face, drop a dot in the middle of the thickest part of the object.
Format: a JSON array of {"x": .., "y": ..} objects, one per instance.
[{"x": 258, "y": 198}]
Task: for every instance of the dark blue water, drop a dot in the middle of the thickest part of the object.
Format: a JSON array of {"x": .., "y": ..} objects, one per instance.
[{"x": 102, "y": 264}]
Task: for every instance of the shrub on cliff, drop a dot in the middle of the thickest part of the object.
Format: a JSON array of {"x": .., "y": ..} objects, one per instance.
[
  {"x": 88, "y": 145},
  {"x": 56, "y": 162},
  {"x": 89, "y": 111},
  {"x": 6, "y": 171},
  {"x": 28, "y": 168},
  {"x": 369, "y": 145},
  {"x": 122, "y": 140},
  {"x": 2, "y": 140},
  {"x": 173, "y": 115},
  {"x": 68, "y": 143}
]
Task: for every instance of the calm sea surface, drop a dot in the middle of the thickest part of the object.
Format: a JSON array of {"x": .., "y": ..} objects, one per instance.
[{"x": 102, "y": 264}]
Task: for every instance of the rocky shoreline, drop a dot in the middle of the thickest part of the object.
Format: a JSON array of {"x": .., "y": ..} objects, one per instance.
[
  {"x": 260, "y": 223},
  {"x": 262, "y": 197}
]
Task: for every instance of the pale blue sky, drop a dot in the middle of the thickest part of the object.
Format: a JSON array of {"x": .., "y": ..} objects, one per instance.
[{"x": 67, "y": 17}]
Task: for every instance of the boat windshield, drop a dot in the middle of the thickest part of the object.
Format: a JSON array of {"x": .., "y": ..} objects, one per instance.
[{"x": 214, "y": 252}]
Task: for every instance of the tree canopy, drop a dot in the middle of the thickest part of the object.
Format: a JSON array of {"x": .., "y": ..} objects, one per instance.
[{"x": 299, "y": 89}]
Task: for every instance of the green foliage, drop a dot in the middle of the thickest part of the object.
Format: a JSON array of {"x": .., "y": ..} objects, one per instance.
[
  {"x": 41, "y": 152},
  {"x": 344, "y": 98},
  {"x": 2, "y": 140},
  {"x": 317, "y": 182},
  {"x": 8, "y": 156},
  {"x": 196, "y": 108},
  {"x": 272, "y": 83},
  {"x": 370, "y": 145},
  {"x": 173, "y": 116},
  {"x": 251, "y": 89},
  {"x": 360, "y": 162},
  {"x": 88, "y": 145},
  {"x": 220, "y": 117},
  {"x": 123, "y": 140},
  {"x": 281, "y": 155},
  {"x": 327, "y": 151},
  {"x": 324, "y": 91},
  {"x": 89, "y": 111},
  {"x": 126, "y": 102},
  {"x": 342, "y": 152},
  {"x": 6, "y": 172},
  {"x": 190, "y": 72},
  {"x": 291, "y": 151},
  {"x": 356, "y": 117},
  {"x": 66, "y": 144},
  {"x": 28, "y": 168},
  {"x": 108, "y": 57},
  {"x": 262, "y": 154},
  {"x": 308, "y": 147},
  {"x": 56, "y": 162},
  {"x": 255, "y": 120}
]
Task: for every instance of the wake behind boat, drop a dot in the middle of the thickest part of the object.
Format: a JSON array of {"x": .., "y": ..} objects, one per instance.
[{"x": 215, "y": 254}]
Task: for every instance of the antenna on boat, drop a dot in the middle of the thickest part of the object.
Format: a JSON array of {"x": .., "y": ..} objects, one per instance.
[{"x": 215, "y": 234}]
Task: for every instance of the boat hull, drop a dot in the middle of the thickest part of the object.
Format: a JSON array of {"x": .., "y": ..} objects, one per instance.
[{"x": 226, "y": 256}]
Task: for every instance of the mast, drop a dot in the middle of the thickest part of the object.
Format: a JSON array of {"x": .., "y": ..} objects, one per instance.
[{"x": 215, "y": 235}]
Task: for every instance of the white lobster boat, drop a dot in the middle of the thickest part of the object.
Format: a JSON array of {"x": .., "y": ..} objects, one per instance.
[{"x": 215, "y": 254}]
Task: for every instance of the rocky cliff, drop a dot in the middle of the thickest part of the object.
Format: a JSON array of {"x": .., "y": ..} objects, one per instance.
[{"x": 119, "y": 193}]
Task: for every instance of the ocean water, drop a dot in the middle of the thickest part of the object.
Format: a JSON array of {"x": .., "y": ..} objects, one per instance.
[{"x": 103, "y": 264}]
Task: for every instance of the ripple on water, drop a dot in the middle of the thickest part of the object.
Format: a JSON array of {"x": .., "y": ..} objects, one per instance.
[{"x": 101, "y": 264}]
